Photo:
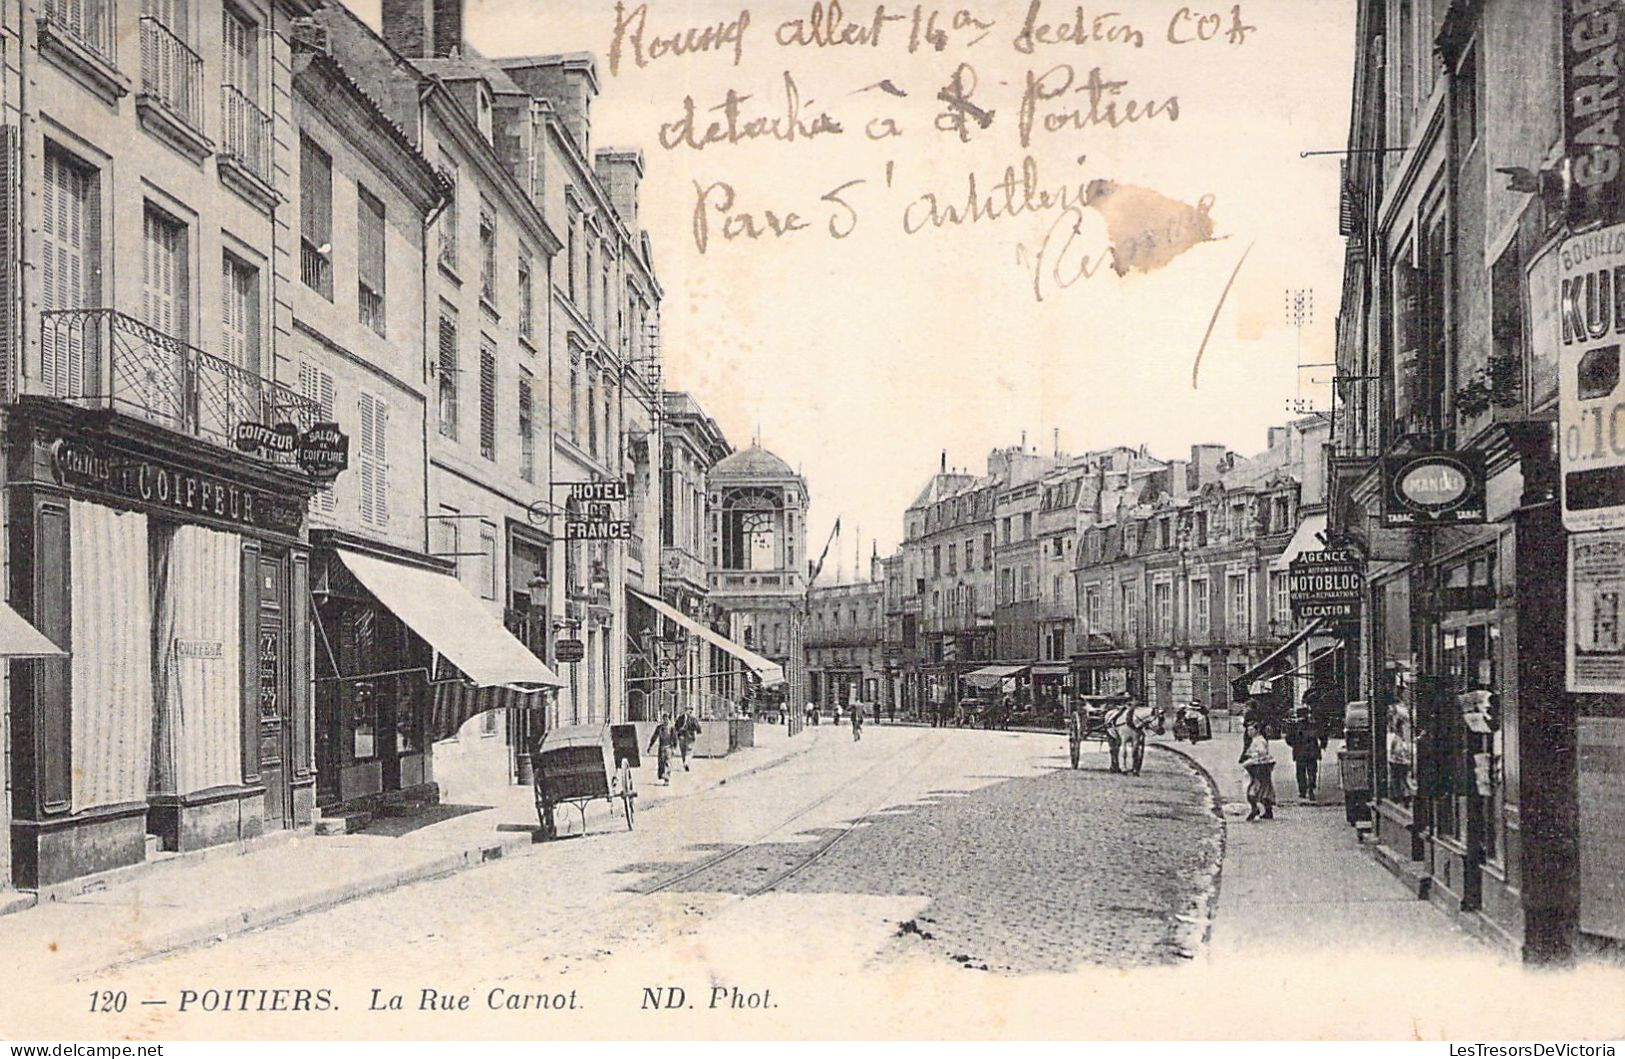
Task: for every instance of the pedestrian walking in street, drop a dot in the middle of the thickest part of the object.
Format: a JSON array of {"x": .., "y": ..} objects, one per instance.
[
  {"x": 1303, "y": 736},
  {"x": 812, "y": 714},
  {"x": 688, "y": 730},
  {"x": 663, "y": 739},
  {"x": 1260, "y": 765},
  {"x": 857, "y": 721}
]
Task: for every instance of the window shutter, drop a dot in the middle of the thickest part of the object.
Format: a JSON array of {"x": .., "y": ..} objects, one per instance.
[
  {"x": 374, "y": 461},
  {"x": 527, "y": 432},
  {"x": 10, "y": 368},
  {"x": 488, "y": 403},
  {"x": 448, "y": 376},
  {"x": 317, "y": 385}
]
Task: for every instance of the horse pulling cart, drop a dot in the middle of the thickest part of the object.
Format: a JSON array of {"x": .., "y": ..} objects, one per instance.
[
  {"x": 578, "y": 764},
  {"x": 1086, "y": 718}
]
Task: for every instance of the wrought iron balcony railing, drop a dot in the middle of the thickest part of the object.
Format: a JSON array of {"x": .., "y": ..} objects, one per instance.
[
  {"x": 88, "y": 23},
  {"x": 245, "y": 132},
  {"x": 171, "y": 72},
  {"x": 100, "y": 358}
]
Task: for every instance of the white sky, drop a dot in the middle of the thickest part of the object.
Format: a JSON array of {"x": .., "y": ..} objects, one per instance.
[{"x": 861, "y": 359}]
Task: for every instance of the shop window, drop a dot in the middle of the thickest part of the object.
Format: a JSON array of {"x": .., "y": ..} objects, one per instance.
[{"x": 362, "y": 630}]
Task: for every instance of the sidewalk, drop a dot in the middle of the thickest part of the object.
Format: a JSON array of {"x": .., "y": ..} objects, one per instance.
[
  {"x": 1302, "y": 881},
  {"x": 135, "y": 912}
]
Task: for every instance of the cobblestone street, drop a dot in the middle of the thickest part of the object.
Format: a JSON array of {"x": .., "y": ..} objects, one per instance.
[{"x": 967, "y": 849}]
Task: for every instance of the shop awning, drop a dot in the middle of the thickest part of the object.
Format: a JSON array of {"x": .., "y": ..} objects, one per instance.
[
  {"x": 452, "y": 621},
  {"x": 1307, "y": 538},
  {"x": 991, "y": 676},
  {"x": 770, "y": 672},
  {"x": 18, "y": 639},
  {"x": 1277, "y": 657},
  {"x": 1051, "y": 669}
]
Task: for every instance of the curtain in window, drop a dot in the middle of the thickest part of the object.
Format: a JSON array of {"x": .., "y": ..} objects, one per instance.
[
  {"x": 111, "y": 667},
  {"x": 197, "y": 647}
]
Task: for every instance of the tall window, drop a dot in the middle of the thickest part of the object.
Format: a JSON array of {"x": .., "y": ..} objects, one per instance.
[
  {"x": 164, "y": 277},
  {"x": 970, "y": 554},
  {"x": 70, "y": 269},
  {"x": 1241, "y": 611},
  {"x": 1091, "y": 609},
  {"x": 317, "y": 385},
  {"x": 488, "y": 253},
  {"x": 370, "y": 262},
  {"x": 239, "y": 52},
  {"x": 315, "y": 218},
  {"x": 592, "y": 412},
  {"x": 527, "y": 295},
  {"x": 488, "y": 400},
  {"x": 570, "y": 260},
  {"x": 488, "y": 562},
  {"x": 447, "y": 374},
  {"x": 374, "y": 461},
  {"x": 448, "y": 217},
  {"x": 575, "y": 404},
  {"x": 1026, "y": 583},
  {"x": 1280, "y": 592},
  {"x": 953, "y": 559},
  {"x": 1131, "y": 612},
  {"x": 609, "y": 423},
  {"x": 1199, "y": 606},
  {"x": 527, "y": 431},
  {"x": 987, "y": 551},
  {"x": 1162, "y": 604},
  {"x": 240, "y": 313}
]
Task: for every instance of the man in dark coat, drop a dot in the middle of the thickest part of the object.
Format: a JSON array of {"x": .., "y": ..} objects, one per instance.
[{"x": 1303, "y": 735}]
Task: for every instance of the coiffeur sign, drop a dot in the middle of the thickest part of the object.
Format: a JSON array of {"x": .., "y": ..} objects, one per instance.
[
  {"x": 148, "y": 482},
  {"x": 1433, "y": 489}
]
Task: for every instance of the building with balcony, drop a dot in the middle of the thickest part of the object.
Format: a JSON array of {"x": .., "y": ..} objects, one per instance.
[
  {"x": 605, "y": 372},
  {"x": 156, "y": 528},
  {"x": 671, "y": 667},
  {"x": 845, "y": 641},
  {"x": 1470, "y": 187},
  {"x": 758, "y": 553},
  {"x": 484, "y": 341},
  {"x": 1181, "y": 572}
]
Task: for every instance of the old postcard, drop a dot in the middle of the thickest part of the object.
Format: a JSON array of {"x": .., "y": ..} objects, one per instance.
[{"x": 776, "y": 519}]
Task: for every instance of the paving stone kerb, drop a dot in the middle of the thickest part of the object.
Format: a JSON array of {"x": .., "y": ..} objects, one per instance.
[{"x": 100, "y": 923}]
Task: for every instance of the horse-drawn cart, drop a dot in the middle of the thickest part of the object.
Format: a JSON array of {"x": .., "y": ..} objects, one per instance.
[
  {"x": 579, "y": 764},
  {"x": 1086, "y": 719}
]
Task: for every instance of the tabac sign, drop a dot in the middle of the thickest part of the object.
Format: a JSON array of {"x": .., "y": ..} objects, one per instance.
[{"x": 1433, "y": 489}]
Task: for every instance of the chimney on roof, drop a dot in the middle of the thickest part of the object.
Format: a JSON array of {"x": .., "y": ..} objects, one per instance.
[
  {"x": 568, "y": 82},
  {"x": 944, "y": 461},
  {"x": 423, "y": 29}
]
